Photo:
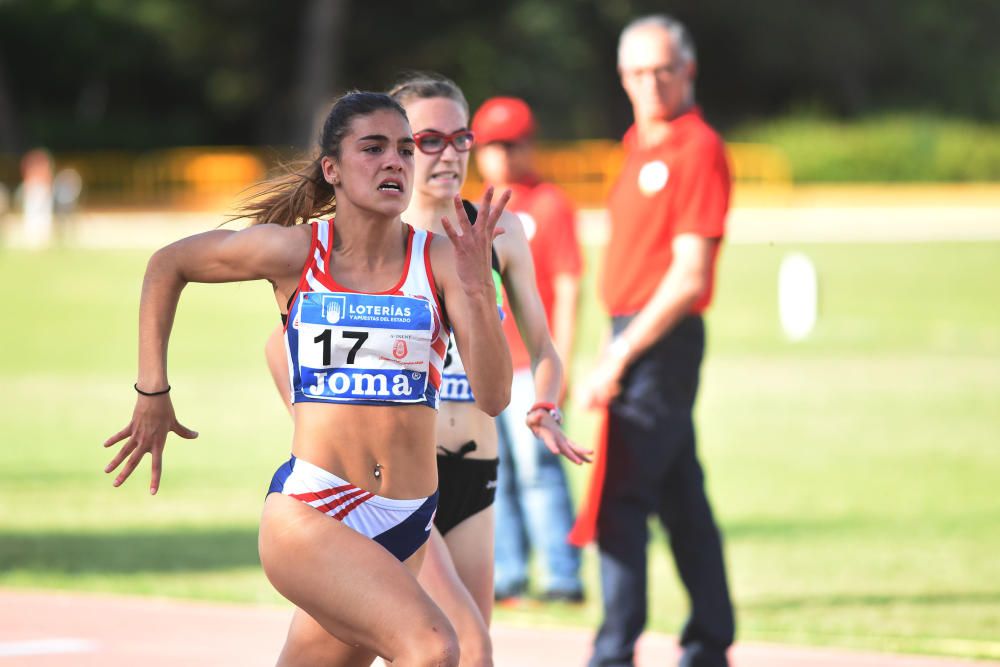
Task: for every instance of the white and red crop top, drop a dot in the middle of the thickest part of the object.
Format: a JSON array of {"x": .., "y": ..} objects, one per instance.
[{"x": 363, "y": 348}]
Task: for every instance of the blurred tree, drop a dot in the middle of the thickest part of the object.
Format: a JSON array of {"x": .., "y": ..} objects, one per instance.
[
  {"x": 322, "y": 31},
  {"x": 9, "y": 141},
  {"x": 136, "y": 73}
]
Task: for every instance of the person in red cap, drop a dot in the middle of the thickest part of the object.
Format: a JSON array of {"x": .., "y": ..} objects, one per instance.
[
  {"x": 533, "y": 505},
  {"x": 668, "y": 210}
]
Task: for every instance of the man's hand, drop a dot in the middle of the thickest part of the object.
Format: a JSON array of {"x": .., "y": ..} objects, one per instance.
[{"x": 603, "y": 384}]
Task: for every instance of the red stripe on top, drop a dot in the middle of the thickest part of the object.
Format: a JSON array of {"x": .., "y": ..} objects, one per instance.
[
  {"x": 322, "y": 495},
  {"x": 331, "y": 284},
  {"x": 434, "y": 376},
  {"x": 329, "y": 246},
  {"x": 440, "y": 346},
  {"x": 303, "y": 283},
  {"x": 313, "y": 245},
  {"x": 339, "y": 516},
  {"x": 433, "y": 284}
]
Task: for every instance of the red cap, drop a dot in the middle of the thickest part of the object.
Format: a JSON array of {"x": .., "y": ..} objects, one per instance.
[{"x": 503, "y": 119}]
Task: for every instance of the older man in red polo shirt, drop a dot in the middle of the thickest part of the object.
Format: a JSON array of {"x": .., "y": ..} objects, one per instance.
[{"x": 668, "y": 210}]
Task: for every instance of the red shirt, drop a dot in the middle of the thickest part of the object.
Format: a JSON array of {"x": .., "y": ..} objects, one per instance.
[
  {"x": 680, "y": 186},
  {"x": 549, "y": 221}
]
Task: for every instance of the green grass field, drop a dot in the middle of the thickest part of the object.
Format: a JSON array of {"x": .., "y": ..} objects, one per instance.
[{"x": 854, "y": 474}]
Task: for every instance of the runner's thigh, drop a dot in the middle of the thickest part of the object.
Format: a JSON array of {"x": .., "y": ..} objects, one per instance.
[
  {"x": 353, "y": 588},
  {"x": 440, "y": 579},
  {"x": 471, "y": 546}
]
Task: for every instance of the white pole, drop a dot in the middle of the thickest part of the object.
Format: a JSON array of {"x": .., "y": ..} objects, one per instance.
[{"x": 798, "y": 296}]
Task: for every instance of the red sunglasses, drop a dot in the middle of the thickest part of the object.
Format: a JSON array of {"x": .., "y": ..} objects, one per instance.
[{"x": 433, "y": 142}]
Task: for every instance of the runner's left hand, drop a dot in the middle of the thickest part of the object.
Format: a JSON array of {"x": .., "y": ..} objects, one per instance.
[
  {"x": 546, "y": 429},
  {"x": 473, "y": 243}
]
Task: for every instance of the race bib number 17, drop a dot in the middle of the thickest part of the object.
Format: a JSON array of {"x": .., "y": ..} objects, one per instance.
[{"x": 372, "y": 347}]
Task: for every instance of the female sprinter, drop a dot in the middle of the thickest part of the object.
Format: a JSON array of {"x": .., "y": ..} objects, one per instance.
[
  {"x": 367, "y": 303},
  {"x": 458, "y": 570},
  {"x": 459, "y": 565}
]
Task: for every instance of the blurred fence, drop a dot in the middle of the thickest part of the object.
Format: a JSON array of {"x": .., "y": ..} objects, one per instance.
[
  {"x": 205, "y": 178},
  {"x": 587, "y": 169},
  {"x": 170, "y": 178}
]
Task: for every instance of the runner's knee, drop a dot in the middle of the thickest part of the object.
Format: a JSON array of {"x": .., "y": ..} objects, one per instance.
[
  {"x": 476, "y": 648},
  {"x": 437, "y": 647}
]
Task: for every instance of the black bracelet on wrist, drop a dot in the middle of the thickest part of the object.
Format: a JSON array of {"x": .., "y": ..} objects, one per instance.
[{"x": 151, "y": 393}]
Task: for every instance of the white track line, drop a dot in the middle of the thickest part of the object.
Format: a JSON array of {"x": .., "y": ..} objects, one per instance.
[{"x": 11, "y": 649}]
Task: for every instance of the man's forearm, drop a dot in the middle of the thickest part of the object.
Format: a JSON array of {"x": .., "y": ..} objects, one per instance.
[{"x": 673, "y": 299}]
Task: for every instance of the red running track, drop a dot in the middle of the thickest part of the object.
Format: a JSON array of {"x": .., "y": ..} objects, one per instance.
[{"x": 44, "y": 629}]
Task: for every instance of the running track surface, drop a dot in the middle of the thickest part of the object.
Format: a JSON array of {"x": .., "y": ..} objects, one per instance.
[{"x": 59, "y": 630}]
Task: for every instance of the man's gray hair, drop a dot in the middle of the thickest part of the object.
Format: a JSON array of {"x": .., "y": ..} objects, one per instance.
[{"x": 679, "y": 35}]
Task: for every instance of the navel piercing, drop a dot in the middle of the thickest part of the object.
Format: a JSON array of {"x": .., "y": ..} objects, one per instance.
[{"x": 378, "y": 470}]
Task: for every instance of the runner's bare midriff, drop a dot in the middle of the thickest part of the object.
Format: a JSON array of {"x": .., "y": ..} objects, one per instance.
[
  {"x": 388, "y": 450},
  {"x": 459, "y": 423}
]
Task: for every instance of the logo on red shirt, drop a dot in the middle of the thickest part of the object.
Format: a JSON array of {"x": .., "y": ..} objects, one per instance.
[
  {"x": 529, "y": 224},
  {"x": 653, "y": 176}
]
